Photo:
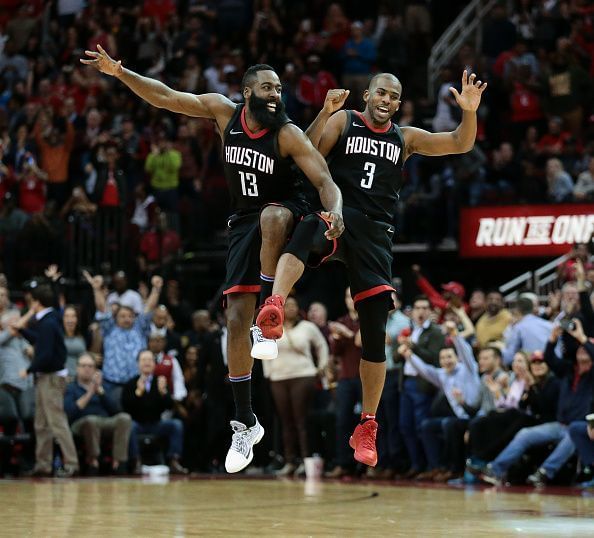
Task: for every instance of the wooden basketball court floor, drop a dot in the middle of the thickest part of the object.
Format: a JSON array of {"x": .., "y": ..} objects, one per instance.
[{"x": 131, "y": 507}]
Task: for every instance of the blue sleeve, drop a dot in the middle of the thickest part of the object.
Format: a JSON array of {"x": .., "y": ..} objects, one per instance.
[
  {"x": 29, "y": 334},
  {"x": 106, "y": 321},
  {"x": 513, "y": 345},
  {"x": 367, "y": 51}
]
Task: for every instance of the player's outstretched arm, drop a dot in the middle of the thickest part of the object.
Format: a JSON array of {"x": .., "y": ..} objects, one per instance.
[
  {"x": 459, "y": 141},
  {"x": 210, "y": 105},
  {"x": 294, "y": 143},
  {"x": 317, "y": 132}
]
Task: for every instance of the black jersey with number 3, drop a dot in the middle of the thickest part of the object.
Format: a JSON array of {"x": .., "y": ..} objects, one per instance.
[
  {"x": 256, "y": 172},
  {"x": 366, "y": 164}
]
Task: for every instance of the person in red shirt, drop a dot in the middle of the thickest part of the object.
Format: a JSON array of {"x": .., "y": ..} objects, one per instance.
[
  {"x": 32, "y": 188},
  {"x": 315, "y": 83},
  {"x": 158, "y": 246},
  {"x": 556, "y": 142}
]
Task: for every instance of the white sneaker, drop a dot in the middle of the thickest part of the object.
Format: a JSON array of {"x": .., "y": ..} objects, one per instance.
[
  {"x": 262, "y": 348},
  {"x": 241, "y": 452}
]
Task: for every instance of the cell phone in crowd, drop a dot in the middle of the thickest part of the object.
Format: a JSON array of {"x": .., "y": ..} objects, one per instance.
[
  {"x": 590, "y": 420},
  {"x": 567, "y": 324}
]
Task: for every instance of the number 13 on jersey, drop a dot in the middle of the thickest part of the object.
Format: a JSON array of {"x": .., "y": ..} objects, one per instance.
[
  {"x": 367, "y": 181},
  {"x": 249, "y": 186}
]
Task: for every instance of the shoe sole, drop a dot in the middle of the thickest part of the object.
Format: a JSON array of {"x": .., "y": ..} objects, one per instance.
[
  {"x": 262, "y": 357},
  {"x": 251, "y": 454},
  {"x": 270, "y": 321},
  {"x": 359, "y": 458}
]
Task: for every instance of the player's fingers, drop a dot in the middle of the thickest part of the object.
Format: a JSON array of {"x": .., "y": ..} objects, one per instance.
[
  {"x": 100, "y": 49},
  {"x": 471, "y": 78},
  {"x": 92, "y": 53},
  {"x": 326, "y": 216},
  {"x": 346, "y": 93},
  {"x": 454, "y": 92},
  {"x": 483, "y": 87},
  {"x": 478, "y": 83},
  {"x": 464, "y": 77},
  {"x": 88, "y": 62}
]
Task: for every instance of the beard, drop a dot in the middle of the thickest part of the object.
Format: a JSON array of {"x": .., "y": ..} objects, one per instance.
[{"x": 266, "y": 118}]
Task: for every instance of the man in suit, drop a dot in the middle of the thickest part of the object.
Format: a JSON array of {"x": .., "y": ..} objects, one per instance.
[
  {"x": 425, "y": 341},
  {"x": 47, "y": 336},
  {"x": 144, "y": 398}
]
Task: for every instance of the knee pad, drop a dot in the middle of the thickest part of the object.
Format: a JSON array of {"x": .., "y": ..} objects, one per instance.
[
  {"x": 373, "y": 315},
  {"x": 308, "y": 242}
]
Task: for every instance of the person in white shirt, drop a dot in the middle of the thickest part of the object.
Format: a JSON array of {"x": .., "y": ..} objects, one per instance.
[
  {"x": 124, "y": 296},
  {"x": 292, "y": 380}
]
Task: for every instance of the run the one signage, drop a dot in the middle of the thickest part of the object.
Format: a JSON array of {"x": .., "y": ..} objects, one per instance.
[{"x": 529, "y": 230}]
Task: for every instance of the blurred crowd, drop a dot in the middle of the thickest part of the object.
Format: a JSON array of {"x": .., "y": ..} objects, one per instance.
[
  {"x": 82, "y": 156},
  {"x": 478, "y": 387},
  {"x": 472, "y": 388}
]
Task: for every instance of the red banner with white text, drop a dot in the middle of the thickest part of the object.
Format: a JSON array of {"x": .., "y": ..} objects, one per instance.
[{"x": 524, "y": 230}]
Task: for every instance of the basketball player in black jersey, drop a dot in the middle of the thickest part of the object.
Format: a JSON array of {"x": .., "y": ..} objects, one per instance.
[
  {"x": 365, "y": 153},
  {"x": 259, "y": 145}
]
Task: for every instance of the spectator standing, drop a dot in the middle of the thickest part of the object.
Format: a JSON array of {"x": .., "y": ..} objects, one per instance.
[
  {"x": 92, "y": 413},
  {"x": 425, "y": 341},
  {"x": 292, "y": 378},
  {"x": 358, "y": 55},
  {"x": 145, "y": 397},
  {"x": 530, "y": 333},
  {"x": 163, "y": 165},
  {"x": 17, "y": 395},
  {"x": 55, "y": 141},
  {"x": 48, "y": 365}
]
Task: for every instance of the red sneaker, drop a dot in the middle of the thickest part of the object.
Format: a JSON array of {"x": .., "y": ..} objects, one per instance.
[
  {"x": 363, "y": 442},
  {"x": 271, "y": 316}
]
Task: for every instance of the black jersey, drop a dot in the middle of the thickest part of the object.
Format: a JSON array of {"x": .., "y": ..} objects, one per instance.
[
  {"x": 366, "y": 164},
  {"x": 254, "y": 169}
]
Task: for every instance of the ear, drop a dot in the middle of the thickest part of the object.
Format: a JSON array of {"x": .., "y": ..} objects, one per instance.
[
  {"x": 247, "y": 92},
  {"x": 398, "y": 105},
  {"x": 366, "y": 95}
]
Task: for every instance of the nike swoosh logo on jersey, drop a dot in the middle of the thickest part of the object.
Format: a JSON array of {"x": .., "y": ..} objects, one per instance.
[
  {"x": 357, "y": 125},
  {"x": 235, "y": 132}
]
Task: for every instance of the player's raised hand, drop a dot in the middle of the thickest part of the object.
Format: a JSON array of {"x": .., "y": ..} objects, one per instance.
[
  {"x": 470, "y": 98},
  {"x": 336, "y": 224},
  {"x": 103, "y": 62},
  {"x": 335, "y": 100}
]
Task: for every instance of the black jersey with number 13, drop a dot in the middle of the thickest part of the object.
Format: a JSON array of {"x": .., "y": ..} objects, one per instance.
[
  {"x": 254, "y": 169},
  {"x": 366, "y": 164}
]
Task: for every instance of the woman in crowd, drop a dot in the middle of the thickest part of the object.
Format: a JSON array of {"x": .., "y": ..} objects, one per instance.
[
  {"x": 73, "y": 339},
  {"x": 292, "y": 380}
]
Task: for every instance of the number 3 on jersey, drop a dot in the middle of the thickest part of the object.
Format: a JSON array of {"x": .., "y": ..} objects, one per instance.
[
  {"x": 367, "y": 181},
  {"x": 249, "y": 187}
]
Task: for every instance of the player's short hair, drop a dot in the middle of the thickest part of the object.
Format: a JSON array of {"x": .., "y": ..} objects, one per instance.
[
  {"x": 375, "y": 78},
  {"x": 250, "y": 75}
]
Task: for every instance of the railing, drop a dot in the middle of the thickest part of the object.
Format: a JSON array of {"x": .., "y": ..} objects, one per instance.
[
  {"x": 470, "y": 21},
  {"x": 96, "y": 242},
  {"x": 542, "y": 281}
]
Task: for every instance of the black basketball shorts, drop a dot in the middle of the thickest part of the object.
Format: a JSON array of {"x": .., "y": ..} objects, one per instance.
[{"x": 243, "y": 252}]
